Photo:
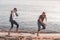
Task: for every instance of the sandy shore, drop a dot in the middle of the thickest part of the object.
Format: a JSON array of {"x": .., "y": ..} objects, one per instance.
[{"x": 29, "y": 36}]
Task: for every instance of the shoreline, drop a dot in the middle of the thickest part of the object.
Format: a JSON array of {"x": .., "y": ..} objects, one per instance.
[{"x": 46, "y": 36}]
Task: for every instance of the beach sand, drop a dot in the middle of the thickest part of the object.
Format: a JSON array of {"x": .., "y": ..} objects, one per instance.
[{"x": 29, "y": 36}]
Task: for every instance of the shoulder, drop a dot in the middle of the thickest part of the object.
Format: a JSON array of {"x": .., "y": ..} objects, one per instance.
[{"x": 40, "y": 15}]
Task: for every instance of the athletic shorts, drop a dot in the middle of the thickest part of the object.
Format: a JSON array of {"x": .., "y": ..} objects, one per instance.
[{"x": 39, "y": 26}]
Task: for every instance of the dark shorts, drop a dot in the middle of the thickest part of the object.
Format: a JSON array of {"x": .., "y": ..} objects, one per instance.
[
  {"x": 14, "y": 22},
  {"x": 39, "y": 26}
]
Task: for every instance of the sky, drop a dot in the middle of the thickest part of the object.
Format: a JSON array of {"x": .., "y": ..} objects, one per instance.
[{"x": 51, "y": 7}]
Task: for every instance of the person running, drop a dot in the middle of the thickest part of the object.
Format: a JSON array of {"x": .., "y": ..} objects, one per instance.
[
  {"x": 12, "y": 20},
  {"x": 41, "y": 23}
]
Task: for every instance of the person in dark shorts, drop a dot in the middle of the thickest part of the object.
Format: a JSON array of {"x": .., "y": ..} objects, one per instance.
[
  {"x": 41, "y": 23},
  {"x": 12, "y": 20}
]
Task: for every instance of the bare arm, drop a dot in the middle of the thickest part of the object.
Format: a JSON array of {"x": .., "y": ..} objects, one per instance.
[
  {"x": 41, "y": 21},
  {"x": 46, "y": 19}
]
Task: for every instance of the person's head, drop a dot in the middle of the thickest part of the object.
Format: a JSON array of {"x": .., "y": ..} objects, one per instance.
[
  {"x": 43, "y": 13},
  {"x": 15, "y": 9}
]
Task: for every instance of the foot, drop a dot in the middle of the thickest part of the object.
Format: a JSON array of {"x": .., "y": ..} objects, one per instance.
[
  {"x": 8, "y": 35},
  {"x": 37, "y": 34},
  {"x": 17, "y": 31}
]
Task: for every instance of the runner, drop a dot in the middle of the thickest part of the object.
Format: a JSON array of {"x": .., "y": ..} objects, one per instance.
[
  {"x": 12, "y": 20},
  {"x": 41, "y": 23}
]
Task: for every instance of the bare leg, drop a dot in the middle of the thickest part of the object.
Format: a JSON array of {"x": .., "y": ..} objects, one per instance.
[
  {"x": 17, "y": 30},
  {"x": 9, "y": 31},
  {"x": 38, "y": 33}
]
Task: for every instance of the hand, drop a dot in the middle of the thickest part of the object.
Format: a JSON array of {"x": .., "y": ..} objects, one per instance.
[{"x": 16, "y": 14}]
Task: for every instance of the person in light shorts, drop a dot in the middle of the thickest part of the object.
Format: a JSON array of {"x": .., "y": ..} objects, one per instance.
[{"x": 41, "y": 23}]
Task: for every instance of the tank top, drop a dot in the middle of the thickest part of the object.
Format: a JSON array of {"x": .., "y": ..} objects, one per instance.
[{"x": 41, "y": 17}]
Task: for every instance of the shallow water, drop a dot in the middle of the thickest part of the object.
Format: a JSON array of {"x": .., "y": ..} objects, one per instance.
[{"x": 27, "y": 18}]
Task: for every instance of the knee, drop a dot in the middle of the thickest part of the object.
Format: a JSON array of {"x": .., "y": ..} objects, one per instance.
[
  {"x": 17, "y": 25},
  {"x": 11, "y": 26},
  {"x": 38, "y": 29},
  {"x": 44, "y": 28}
]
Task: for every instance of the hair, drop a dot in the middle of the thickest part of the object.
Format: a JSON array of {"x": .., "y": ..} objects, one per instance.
[
  {"x": 43, "y": 12},
  {"x": 15, "y": 9}
]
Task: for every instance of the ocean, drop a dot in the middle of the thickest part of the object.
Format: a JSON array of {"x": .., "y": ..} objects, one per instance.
[{"x": 27, "y": 19}]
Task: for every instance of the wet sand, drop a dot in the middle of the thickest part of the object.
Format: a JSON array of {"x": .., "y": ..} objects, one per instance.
[{"x": 29, "y": 36}]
